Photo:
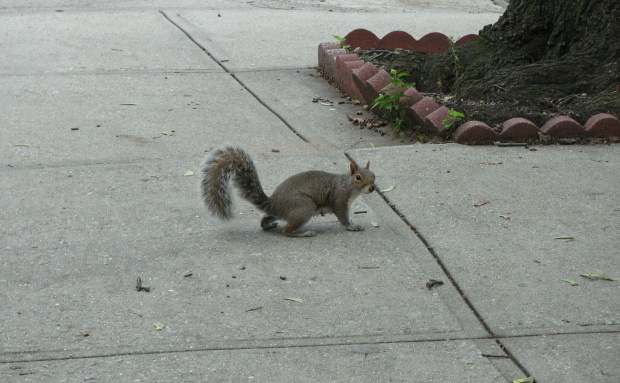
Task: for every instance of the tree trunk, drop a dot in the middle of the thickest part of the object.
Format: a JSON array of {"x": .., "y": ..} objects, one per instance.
[{"x": 539, "y": 49}]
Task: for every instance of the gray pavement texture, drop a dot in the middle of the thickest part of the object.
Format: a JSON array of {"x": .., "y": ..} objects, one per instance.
[{"x": 106, "y": 106}]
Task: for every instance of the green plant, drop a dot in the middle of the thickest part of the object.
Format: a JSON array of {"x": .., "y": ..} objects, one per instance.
[
  {"x": 456, "y": 64},
  {"x": 342, "y": 45},
  {"x": 421, "y": 136},
  {"x": 453, "y": 117},
  {"x": 388, "y": 99}
]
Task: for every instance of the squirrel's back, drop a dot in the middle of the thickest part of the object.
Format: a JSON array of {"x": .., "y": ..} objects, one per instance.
[{"x": 217, "y": 172}]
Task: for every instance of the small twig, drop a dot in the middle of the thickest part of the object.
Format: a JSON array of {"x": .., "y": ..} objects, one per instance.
[
  {"x": 502, "y": 144},
  {"x": 432, "y": 283},
  {"x": 139, "y": 286},
  {"x": 494, "y": 356},
  {"x": 494, "y": 86}
]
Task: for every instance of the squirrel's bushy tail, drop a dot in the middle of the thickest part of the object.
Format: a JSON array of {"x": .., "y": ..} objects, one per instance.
[{"x": 217, "y": 172}]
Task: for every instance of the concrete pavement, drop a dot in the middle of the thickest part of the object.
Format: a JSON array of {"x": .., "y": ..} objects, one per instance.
[{"x": 106, "y": 107}]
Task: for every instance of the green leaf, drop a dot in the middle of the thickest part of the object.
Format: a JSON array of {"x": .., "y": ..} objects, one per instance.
[
  {"x": 388, "y": 189},
  {"x": 189, "y": 173},
  {"x": 159, "y": 326},
  {"x": 529, "y": 379},
  {"x": 298, "y": 300},
  {"x": 600, "y": 276}
]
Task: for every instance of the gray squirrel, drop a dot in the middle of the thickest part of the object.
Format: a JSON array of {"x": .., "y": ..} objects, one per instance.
[{"x": 295, "y": 201}]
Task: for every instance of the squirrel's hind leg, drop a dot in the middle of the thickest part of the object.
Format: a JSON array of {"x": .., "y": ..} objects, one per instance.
[
  {"x": 268, "y": 222},
  {"x": 295, "y": 219}
]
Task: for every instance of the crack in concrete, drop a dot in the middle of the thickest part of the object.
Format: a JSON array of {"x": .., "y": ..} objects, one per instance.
[{"x": 237, "y": 79}]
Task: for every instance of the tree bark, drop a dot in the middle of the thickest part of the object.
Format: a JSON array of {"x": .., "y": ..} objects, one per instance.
[{"x": 538, "y": 49}]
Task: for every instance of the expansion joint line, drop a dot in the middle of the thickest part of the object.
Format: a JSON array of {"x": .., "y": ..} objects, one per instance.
[
  {"x": 453, "y": 282},
  {"x": 237, "y": 79}
]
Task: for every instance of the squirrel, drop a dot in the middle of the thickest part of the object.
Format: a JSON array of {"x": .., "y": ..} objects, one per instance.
[{"x": 295, "y": 201}]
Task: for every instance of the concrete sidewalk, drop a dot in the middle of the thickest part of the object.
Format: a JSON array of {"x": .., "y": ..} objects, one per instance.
[{"x": 106, "y": 107}]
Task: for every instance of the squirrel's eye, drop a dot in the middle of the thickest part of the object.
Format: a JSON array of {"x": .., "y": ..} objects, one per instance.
[{"x": 358, "y": 177}]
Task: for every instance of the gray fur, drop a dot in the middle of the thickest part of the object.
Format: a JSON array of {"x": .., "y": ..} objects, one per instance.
[{"x": 217, "y": 172}]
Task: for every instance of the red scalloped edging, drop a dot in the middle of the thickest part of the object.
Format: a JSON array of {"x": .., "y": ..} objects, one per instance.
[
  {"x": 475, "y": 132},
  {"x": 364, "y": 82},
  {"x": 435, "y": 42}
]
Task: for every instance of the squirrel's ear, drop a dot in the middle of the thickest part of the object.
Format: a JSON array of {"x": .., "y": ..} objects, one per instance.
[
  {"x": 353, "y": 167},
  {"x": 368, "y": 165}
]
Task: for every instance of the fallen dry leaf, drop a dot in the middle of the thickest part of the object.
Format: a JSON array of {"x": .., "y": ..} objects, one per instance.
[
  {"x": 357, "y": 120},
  {"x": 482, "y": 202},
  {"x": 572, "y": 282}
]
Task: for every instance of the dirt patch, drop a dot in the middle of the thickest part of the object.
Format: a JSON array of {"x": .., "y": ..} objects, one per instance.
[{"x": 499, "y": 105}]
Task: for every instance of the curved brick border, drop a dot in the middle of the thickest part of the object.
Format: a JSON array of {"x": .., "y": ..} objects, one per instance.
[
  {"x": 364, "y": 82},
  {"x": 435, "y": 42}
]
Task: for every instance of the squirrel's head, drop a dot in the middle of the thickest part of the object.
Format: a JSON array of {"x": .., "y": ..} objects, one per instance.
[{"x": 363, "y": 179}]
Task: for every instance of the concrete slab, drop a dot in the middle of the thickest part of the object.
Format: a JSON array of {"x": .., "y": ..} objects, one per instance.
[
  {"x": 69, "y": 42},
  {"x": 460, "y": 360},
  {"x": 84, "y": 212},
  {"x": 74, "y": 249},
  {"x": 385, "y": 6},
  {"x": 270, "y": 39},
  {"x": 570, "y": 358},
  {"x": 512, "y": 269},
  {"x": 375, "y": 6},
  {"x": 291, "y": 92},
  {"x": 123, "y": 116},
  {"x": 98, "y": 5}
]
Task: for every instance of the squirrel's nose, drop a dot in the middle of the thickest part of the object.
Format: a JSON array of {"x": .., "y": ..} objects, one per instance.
[{"x": 371, "y": 188}]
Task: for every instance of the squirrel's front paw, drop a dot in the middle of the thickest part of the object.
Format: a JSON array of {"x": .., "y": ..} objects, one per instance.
[{"x": 353, "y": 227}]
